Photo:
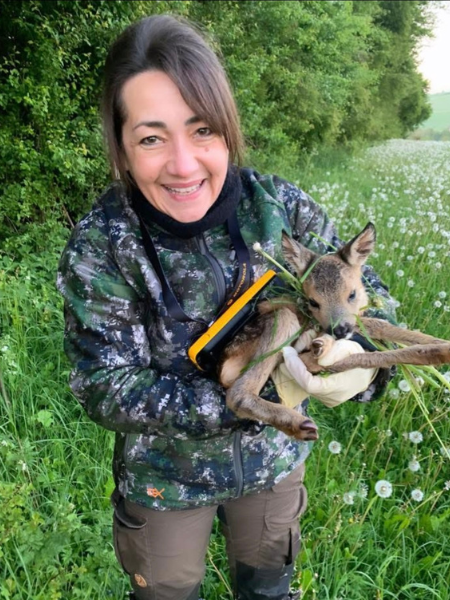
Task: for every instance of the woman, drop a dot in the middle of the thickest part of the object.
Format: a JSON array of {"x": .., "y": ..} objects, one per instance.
[{"x": 144, "y": 272}]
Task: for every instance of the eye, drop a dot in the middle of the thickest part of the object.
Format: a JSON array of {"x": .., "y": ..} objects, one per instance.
[
  {"x": 313, "y": 303},
  {"x": 352, "y": 296},
  {"x": 204, "y": 132},
  {"x": 150, "y": 140}
]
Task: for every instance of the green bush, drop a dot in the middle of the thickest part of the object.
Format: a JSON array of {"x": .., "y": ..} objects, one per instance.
[{"x": 307, "y": 75}]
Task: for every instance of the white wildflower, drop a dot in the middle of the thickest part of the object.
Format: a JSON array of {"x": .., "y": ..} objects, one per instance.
[
  {"x": 447, "y": 486},
  {"x": 23, "y": 465},
  {"x": 349, "y": 497},
  {"x": 363, "y": 490},
  {"x": 383, "y": 488},
  {"x": 442, "y": 295},
  {"x": 334, "y": 447},
  {"x": 414, "y": 465},
  {"x": 415, "y": 437},
  {"x": 445, "y": 452},
  {"x": 257, "y": 247},
  {"x": 404, "y": 386},
  {"x": 417, "y": 495}
]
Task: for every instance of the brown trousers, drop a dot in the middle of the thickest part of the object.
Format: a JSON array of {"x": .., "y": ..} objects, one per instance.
[{"x": 163, "y": 552}]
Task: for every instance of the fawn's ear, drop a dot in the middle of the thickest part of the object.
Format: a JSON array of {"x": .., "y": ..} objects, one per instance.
[
  {"x": 356, "y": 251},
  {"x": 297, "y": 255}
]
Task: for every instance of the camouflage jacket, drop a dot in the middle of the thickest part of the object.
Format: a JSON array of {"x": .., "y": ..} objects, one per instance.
[{"x": 177, "y": 444}]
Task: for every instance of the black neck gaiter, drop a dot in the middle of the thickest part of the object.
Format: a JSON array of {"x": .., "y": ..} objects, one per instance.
[{"x": 219, "y": 212}]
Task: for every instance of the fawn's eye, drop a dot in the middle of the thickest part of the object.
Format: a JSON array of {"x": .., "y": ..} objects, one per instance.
[
  {"x": 313, "y": 303},
  {"x": 352, "y": 296}
]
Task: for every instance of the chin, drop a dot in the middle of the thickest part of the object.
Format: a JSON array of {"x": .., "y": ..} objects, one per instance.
[{"x": 190, "y": 216}]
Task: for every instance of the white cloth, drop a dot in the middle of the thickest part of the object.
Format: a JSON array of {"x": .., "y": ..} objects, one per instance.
[{"x": 294, "y": 382}]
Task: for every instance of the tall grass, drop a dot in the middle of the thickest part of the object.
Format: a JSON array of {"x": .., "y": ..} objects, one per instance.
[{"x": 55, "y": 537}]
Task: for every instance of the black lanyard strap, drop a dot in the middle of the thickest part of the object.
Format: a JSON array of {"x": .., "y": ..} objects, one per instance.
[{"x": 244, "y": 276}]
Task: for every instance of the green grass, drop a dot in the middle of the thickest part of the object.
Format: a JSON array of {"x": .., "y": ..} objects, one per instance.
[
  {"x": 440, "y": 117},
  {"x": 55, "y": 530}
]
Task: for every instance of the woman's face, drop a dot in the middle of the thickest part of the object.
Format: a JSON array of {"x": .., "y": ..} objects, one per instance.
[{"x": 178, "y": 163}]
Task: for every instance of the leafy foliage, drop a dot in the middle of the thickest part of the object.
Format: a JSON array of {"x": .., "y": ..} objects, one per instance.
[{"x": 306, "y": 75}]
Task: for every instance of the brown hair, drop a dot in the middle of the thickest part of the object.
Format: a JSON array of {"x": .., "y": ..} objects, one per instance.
[{"x": 174, "y": 46}]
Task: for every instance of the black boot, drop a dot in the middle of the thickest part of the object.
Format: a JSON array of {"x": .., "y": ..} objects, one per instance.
[{"x": 264, "y": 584}]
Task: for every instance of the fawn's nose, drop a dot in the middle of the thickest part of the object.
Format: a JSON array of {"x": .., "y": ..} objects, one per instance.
[{"x": 341, "y": 331}]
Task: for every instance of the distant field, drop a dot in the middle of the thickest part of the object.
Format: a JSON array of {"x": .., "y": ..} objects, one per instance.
[{"x": 440, "y": 118}]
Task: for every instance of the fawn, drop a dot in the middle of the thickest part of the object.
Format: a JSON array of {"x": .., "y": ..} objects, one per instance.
[{"x": 336, "y": 299}]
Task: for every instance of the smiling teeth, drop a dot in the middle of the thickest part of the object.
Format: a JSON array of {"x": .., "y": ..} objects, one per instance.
[{"x": 184, "y": 191}]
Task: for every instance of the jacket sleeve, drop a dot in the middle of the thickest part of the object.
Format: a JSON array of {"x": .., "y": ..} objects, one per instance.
[
  {"x": 107, "y": 344},
  {"x": 312, "y": 227}
]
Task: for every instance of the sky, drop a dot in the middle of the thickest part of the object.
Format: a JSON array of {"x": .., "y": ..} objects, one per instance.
[{"x": 434, "y": 56}]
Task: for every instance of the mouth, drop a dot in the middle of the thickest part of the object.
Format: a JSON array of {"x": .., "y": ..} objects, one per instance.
[{"x": 184, "y": 189}]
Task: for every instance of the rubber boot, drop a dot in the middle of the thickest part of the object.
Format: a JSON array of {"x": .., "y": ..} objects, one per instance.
[{"x": 264, "y": 584}]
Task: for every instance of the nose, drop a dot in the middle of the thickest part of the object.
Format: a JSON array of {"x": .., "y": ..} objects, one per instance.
[
  {"x": 182, "y": 161},
  {"x": 341, "y": 331}
]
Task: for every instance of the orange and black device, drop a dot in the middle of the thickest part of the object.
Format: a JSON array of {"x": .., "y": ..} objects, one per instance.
[{"x": 205, "y": 351}]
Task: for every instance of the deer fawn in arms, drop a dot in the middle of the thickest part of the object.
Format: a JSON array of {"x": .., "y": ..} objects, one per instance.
[{"x": 336, "y": 299}]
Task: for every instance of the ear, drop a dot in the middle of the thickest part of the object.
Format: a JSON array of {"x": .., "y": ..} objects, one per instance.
[
  {"x": 357, "y": 251},
  {"x": 297, "y": 255}
]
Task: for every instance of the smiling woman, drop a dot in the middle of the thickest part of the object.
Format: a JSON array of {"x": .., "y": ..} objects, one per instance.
[
  {"x": 161, "y": 254},
  {"x": 173, "y": 156}
]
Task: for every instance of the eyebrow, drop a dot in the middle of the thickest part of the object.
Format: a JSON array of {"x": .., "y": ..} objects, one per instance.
[{"x": 162, "y": 125}]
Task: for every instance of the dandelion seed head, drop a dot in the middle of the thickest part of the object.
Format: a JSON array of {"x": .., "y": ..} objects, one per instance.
[
  {"x": 417, "y": 495},
  {"x": 415, "y": 437},
  {"x": 334, "y": 447},
  {"x": 414, "y": 465},
  {"x": 445, "y": 452},
  {"x": 383, "y": 488},
  {"x": 349, "y": 497},
  {"x": 363, "y": 490},
  {"x": 404, "y": 386}
]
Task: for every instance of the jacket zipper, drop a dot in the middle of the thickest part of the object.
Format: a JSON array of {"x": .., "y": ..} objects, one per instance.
[
  {"x": 216, "y": 268},
  {"x": 221, "y": 292},
  {"x": 237, "y": 462}
]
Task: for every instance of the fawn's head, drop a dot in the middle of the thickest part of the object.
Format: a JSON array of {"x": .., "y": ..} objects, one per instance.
[{"x": 333, "y": 286}]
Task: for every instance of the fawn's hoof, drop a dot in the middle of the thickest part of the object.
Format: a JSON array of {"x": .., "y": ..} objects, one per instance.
[
  {"x": 317, "y": 346},
  {"x": 309, "y": 431}
]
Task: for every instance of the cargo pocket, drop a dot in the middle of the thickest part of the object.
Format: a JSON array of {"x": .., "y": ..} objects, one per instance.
[
  {"x": 282, "y": 518},
  {"x": 130, "y": 538}
]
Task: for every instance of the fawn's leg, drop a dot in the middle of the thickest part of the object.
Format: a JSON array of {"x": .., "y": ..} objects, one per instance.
[
  {"x": 381, "y": 330},
  {"x": 243, "y": 396},
  {"x": 429, "y": 354}
]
